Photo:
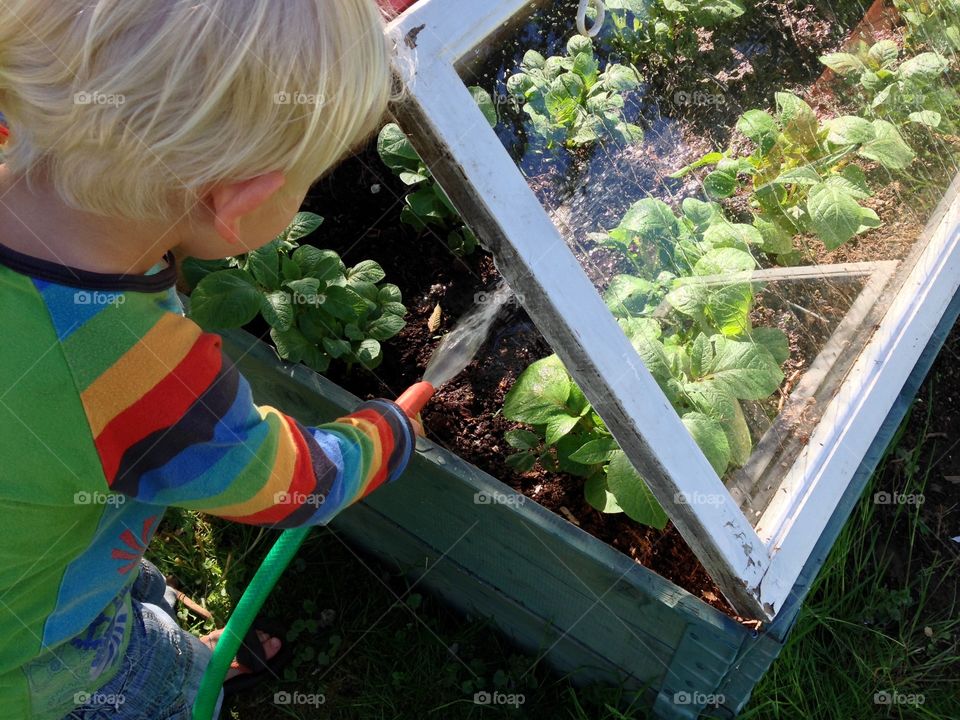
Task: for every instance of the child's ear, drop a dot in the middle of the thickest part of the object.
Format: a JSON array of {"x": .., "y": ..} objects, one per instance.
[{"x": 232, "y": 201}]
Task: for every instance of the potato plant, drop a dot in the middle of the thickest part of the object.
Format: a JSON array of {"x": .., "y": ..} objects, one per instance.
[
  {"x": 427, "y": 205},
  {"x": 801, "y": 176},
  {"x": 570, "y": 102},
  {"x": 644, "y": 29},
  {"x": 902, "y": 90},
  {"x": 318, "y": 309},
  {"x": 705, "y": 378}
]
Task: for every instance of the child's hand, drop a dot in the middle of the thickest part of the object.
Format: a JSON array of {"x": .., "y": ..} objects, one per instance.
[{"x": 418, "y": 425}]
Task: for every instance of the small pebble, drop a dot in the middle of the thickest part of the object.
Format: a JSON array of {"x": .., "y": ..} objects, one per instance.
[{"x": 374, "y": 189}]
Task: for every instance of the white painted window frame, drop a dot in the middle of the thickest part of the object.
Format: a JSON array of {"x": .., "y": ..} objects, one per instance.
[{"x": 756, "y": 568}]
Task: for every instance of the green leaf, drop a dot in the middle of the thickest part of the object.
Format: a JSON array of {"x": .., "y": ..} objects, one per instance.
[
  {"x": 775, "y": 239},
  {"x": 369, "y": 353},
  {"x": 884, "y": 53},
  {"x": 628, "y": 295},
  {"x": 843, "y": 63},
  {"x": 195, "y": 270},
  {"x": 803, "y": 175},
  {"x": 336, "y": 347},
  {"x": 277, "y": 309},
  {"x": 834, "y": 215},
  {"x": 719, "y": 185},
  {"x": 323, "y": 265},
  {"x": 291, "y": 344},
  {"x": 728, "y": 308},
  {"x": 595, "y": 451},
  {"x": 600, "y": 498},
  {"x": 579, "y": 44},
  {"x": 775, "y": 341},
  {"x": 930, "y": 118},
  {"x": 797, "y": 118},
  {"x": 724, "y": 261},
  {"x": 385, "y": 326},
  {"x": 632, "y": 493},
  {"x": 620, "y": 78},
  {"x": 888, "y": 148},
  {"x": 485, "y": 103},
  {"x": 303, "y": 224},
  {"x": 852, "y": 181},
  {"x": 367, "y": 271},
  {"x": 532, "y": 60},
  {"x": 850, "y": 130},
  {"x": 225, "y": 299},
  {"x": 760, "y": 127},
  {"x": 711, "y": 439},
  {"x": 746, "y": 369},
  {"x": 651, "y": 219},
  {"x": 738, "y": 437},
  {"x": 343, "y": 303},
  {"x": 264, "y": 264},
  {"x": 559, "y": 425},
  {"x": 925, "y": 66},
  {"x": 734, "y": 235},
  {"x": 700, "y": 214},
  {"x": 539, "y": 394},
  {"x": 522, "y": 439},
  {"x": 395, "y": 149}
]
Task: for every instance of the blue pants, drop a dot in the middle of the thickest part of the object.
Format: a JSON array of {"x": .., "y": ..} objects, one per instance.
[{"x": 161, "y": 671}]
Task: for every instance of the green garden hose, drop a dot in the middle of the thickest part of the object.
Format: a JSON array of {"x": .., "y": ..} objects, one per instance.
[{"x": 270, "y": 570}]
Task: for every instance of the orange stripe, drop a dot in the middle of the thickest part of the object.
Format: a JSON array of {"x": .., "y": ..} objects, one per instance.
[
  {"x": 376, "y": 460},
  {"x": 139, "y": 370},
  {"x": 281, "y": 474}
]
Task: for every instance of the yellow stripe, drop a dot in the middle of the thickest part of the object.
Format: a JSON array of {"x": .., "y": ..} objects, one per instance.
[
  {"x": 370, "y": 430},
  {"x": 281, "y": 474},
  {"x": 139, "y": 370}
]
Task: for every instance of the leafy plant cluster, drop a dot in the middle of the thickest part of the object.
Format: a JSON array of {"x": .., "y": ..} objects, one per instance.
[
  {"x": 318, "y": 309},
  {"x": 801, "y": 175},
  {"x": 427, "y": 205},
  {"x": 931, "y": 23},
  {"x": 665, "y": 28},
  {"x": 705, "y": 378},
  {"x": 706, "y": 355},
  {"x": 569, "y": 101},
  {"x": 901, "y": 90}
]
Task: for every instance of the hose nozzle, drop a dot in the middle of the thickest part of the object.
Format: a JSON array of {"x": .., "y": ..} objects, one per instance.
[{"x": 415, "y": 397}]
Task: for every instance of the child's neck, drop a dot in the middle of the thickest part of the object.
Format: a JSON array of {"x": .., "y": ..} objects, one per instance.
[{"x": 35, "y": 222}]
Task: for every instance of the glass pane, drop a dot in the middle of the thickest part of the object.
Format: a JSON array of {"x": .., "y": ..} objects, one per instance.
[{"x": 746, "y": 185}]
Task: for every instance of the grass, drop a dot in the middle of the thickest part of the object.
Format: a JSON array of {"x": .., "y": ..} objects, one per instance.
[{"x": 883, "y": 616}]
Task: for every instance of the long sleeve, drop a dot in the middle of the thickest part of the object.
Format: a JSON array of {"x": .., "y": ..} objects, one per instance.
[{"x": 174, "y": 423}]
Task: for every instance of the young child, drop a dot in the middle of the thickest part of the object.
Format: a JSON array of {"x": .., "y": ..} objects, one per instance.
[{"x": 141, "y": 130}]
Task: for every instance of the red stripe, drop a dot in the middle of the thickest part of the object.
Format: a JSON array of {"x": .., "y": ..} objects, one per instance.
[
  {"x": 303, "y": 483},
  {"x": 386, "y": 445},
  {"x": 163, "y": 405}
]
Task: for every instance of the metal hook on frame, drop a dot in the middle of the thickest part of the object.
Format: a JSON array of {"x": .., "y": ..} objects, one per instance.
[{"x": 582, "y": 17}]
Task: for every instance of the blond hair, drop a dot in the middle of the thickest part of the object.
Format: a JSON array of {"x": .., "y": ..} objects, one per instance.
[{"x": 132, "y": 108}]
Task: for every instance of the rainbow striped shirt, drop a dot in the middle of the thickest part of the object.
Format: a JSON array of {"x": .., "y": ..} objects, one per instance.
[{"x": 114, "y": 406}]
